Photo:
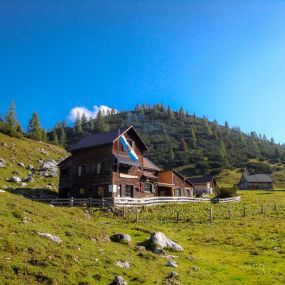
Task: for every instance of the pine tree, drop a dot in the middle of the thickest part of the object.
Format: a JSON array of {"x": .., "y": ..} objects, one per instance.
[
  {"x": 91, "y": 125},
  {"x": 55, "y": 137},
  {"x": 169, "y": 112},
  {"x": 181, "y": 113},
  {"x": 62, "y": 135},
  {"x": 84, "y": 121},
  {"x": 101, "y": 125},
  {"x": 34, "y": 128},
  {"x": 11, "y": 123},
  {"x": 78, "y": 125},
  {"x": 183, "y": 145},
  {"x": 193, "y": 137},
  {"x": 44, "y": 135}
]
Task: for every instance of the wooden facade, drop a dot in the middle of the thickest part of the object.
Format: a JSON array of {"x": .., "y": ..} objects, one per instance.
[
  {"x": 100, "y": 167},
  {"x": 256, "y": 181},
  {"x": 171, "y": 183}
]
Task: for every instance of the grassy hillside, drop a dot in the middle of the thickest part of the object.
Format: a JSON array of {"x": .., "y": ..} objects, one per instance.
[
  {"x": 191, "y": 144},
  {"x": 243, "y": 250},
  {"x": 28, "y": 152}
]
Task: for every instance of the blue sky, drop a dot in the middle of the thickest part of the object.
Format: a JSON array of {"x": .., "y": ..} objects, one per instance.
[{"x": 222, "y": 59}]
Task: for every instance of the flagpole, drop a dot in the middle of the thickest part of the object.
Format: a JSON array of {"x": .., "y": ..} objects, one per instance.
[{"x": 118, "y": 167}]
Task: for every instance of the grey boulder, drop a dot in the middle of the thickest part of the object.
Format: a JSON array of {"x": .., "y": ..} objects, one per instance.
[
  {"x": 159, "y": 239},
  {"x": 119, "y": 280}
]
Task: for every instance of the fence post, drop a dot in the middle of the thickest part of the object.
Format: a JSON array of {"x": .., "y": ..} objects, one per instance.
[
  {"x": 262, "y": 209},
  {"x": 211, "y": 215},
  {"x": 275, "y": 207},
  {"x": 89, "y": 202},
  {"x": 124, "y": 212},
  {"x": 230, "y": 212},
  {"x": 137, "y": 215},
  {"x": 71, "y": 201},
  {"x": 244, "y": 211},
  {"x": 177, "y": 217},
  {"x": 102, "y": 202}
]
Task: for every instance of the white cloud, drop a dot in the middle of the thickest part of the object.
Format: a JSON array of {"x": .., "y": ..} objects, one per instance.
[{"x": 89, "y": 113}]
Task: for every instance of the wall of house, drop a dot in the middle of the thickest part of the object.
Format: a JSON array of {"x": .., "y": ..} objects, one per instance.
[
  {"x": 251, "y": 186},
  {"x": 202, "y": 188}
]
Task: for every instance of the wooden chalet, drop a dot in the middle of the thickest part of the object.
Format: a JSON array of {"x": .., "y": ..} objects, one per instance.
[
  {"x": 171, "y": 183},
  {"x": 203, "y": 184},
  {"x": 256, "y": 181},
  {"x": 100, "y": 167}
]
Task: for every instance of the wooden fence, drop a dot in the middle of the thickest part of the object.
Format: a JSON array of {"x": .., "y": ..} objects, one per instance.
[{"x": 132, "y": 202}]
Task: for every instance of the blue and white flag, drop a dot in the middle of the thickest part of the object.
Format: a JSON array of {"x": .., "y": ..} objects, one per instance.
[{"x": 127, "y": 148}]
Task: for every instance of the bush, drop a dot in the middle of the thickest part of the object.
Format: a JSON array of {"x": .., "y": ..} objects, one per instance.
[{"x": 223, "y": 192}]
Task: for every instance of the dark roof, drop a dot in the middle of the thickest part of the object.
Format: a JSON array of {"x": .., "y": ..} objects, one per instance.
[
  {"x": 147, "y": 164},
  {"x": 104, "y": 138},
  {"x": 125, "y": 159},
  {"x": 182, "y": 177},
  {"x": 202, "y": 179},
  {"x": 259, "y": 178}
]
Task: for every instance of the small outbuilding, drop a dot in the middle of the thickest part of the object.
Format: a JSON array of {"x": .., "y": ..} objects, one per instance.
[
  {"x": 256, "y": 181},
  {"x": 203, "y": 184}
]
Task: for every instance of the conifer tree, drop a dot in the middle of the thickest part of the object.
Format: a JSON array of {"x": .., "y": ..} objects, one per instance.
[
  {"x": 34, "y": 128},
  {"x": 84, "y": 121},
  {"x": 78, "y": 125},
  {"x": 169, "y": 112},
  {"x": 55, "y": 137},
  {"x": 91, "y": 125},
  {"x": 11, "y": 123},
  {"x": 62, "y": 135},
  {"x": 181, "y": 113},
  {"x": 193, "y": 137},
  {"x": 183, "y": 145},
  {"x": 101, "y": 124}
]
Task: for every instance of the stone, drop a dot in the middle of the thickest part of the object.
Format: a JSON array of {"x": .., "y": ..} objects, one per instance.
[
  {"x": 123, "y": 264},
  {"x": 173, "y": 274},
  {"x": 30, "y": 167},
  {"x": 51, "y": 237},
  {"x": 49, "y": 165},
  {"x": 23, "y": 184},
  {"x": 123, "y": 238},
  {"x": 119, "y": 280},
  {"x": 171, "y": 263},
  {"x": 21, "y": 164},
  {"x": 2, "y": 165},
  {"x": 29, "y": 178},
  {"x": 140, "y": 248},
  {"x": 161, "y": 240},
  {"x": 4, "y": 145},
  {"x": 16, "y": 179},
  {"x": 158, "y": 250},
  {"x": 2, "y": 191}
]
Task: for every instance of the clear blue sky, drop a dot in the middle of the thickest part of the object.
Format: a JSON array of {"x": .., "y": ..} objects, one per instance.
[{"x": 222, "y": 59}]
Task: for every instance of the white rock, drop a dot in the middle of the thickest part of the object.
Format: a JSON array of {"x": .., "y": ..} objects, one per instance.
[
  {"x": 119, "y": 280},
  {"x": 16, "y": 179},
  {"x": 21, "y": 164},
  {"x": 2, "y": 165},
  {"x": 23, "y": 184},
  {"x": 123, "y": 264},
  {"x": 121, "y": 238},
  {"x": 51, "y": 237},
  {"x": 163, "y": 241},
  {"x": 2, "y": 191},
  {"x": 171, "y": 263}
]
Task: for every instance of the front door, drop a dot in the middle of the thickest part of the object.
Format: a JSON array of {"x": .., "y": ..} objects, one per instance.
[{"x": 129, "y": 189}]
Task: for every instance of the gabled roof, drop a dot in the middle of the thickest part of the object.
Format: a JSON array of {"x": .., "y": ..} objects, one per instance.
[
  {"x": 105, "y": 138},
  {"x": 202, "y": 179},
  {"x": 259, "y": 178},
  {"x": 147, "y": 164}
]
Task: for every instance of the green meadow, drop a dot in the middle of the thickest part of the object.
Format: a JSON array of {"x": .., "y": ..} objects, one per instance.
[{"x": 240, "y": 250}]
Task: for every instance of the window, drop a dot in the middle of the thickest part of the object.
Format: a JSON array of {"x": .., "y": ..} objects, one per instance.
[
  {"x": 148, "y": 187},
  {"x": 178, "y": 192},
  {"x": 81, "y": 191},
  {"x": 100, "y": 191},
  {"x": 98, "y": 168},
  {"x": 83, "y": 170}
]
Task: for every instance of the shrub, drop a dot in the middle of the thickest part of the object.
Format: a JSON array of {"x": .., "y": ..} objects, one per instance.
[{"x": 226, "y": 192}]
